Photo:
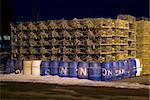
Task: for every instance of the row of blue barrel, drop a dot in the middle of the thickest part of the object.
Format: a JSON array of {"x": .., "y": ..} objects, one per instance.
[
  {"x": 12, "y": 66},
  {"x": 105, "y": 71}
]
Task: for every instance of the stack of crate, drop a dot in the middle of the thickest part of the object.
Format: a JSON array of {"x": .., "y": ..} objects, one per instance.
[
  {"x": 81, "y": 37},
  {"x": 131, "y": 34},
  {"x": 27, "y": 40},
  {"x": 88, "y": 39},
  {"x": 113, "y": 38},
  {"x": 106, "y": 39},
  {"x": 17, "y": 39},
  {"x": 121, "y": 39},
  {"x": 143, "y": 44},
  {"x": 67, "y": 42},
  {"x": 34, "y": 33}
]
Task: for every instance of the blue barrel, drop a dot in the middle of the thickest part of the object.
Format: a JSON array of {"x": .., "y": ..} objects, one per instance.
[
  {"x": 63, "y": 69},
  {"x": 10, "y": 65},
  {"x": 121, "y": 69},
  {"x": 73, "y": 69},
  {"x": 126, "y": 68},
  {"x": 83, "y": 70},
  {"x": 45, "y": 68},
  {"x": 132, "y": 67},
  {"x": 18, "y": 66},
  {"x": 95, "y": 71},
  {"x": 54, "y": 67},
  {"x": 116, "y": 67},
  {"x": 107, "y": 73}
]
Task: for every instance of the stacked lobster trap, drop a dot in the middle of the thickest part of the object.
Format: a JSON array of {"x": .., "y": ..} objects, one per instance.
[
  {"x": 131, "y": 34},
  {"x": 88, "y": 39},
  {"x": 143, "y": 43}
]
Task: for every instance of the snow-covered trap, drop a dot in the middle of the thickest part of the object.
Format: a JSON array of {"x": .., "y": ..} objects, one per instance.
[{"x": 98, "y": 71}]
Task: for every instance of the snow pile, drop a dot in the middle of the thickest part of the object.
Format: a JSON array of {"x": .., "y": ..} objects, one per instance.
[{"x": 69, "y": 81}]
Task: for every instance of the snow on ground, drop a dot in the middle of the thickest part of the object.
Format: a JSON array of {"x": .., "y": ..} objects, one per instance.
[{"x": 68, "y": 81}]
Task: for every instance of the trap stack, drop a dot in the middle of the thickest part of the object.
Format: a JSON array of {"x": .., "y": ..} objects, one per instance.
[
  {"x": 87, "y": 39},
  {"x": 143, "y": 44}
]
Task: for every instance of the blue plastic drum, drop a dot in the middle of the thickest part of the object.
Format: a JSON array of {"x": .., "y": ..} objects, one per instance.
[
  {"x": 10, "y": 65},
  {"x": 95, "y": 71},
  {"x": 126, "y": 68},
  {"x": 54, "y": 67},
  {"x": 63, "y": 69},
  {"x": 107, "y": 73},
  {"x": 83, "y": 70},
  {"x": 132, "y": 67},
  {"x": 73, "y": 69},
  {"x": 121, "y": 69},
  {"x": 45, "y": 68},
  {"x": 116, "y": 70}
]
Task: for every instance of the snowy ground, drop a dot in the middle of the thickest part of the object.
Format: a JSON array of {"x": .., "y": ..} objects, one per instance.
[{"x": 69, "y": 81}]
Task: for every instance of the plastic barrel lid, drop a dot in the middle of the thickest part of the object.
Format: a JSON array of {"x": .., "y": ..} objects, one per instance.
[
  {"x": 94, "y": 64},
  {"x": 45, "y": 63}
]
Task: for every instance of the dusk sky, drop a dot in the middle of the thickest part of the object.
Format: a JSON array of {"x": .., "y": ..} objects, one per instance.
[{"x": 23, "y": 10}]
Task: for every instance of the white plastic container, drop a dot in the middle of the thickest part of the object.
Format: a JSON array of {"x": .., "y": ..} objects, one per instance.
[
  {"x": 36, "y": 67},
  {"x": 27, "y": 67},
  {"x": 138, "y": 67}
]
